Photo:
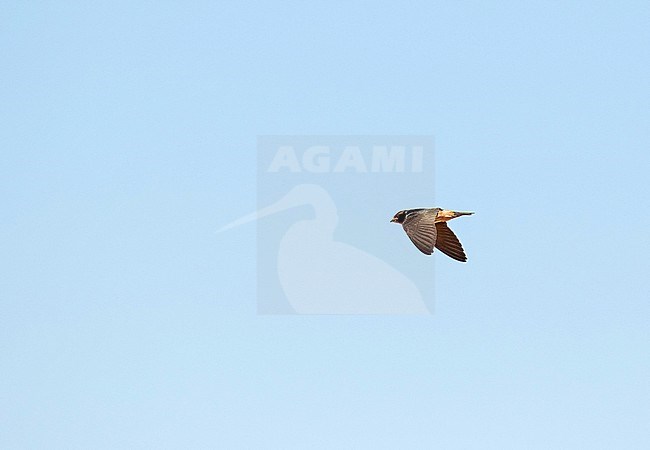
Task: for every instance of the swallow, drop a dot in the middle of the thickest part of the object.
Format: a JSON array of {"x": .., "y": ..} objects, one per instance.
[{"x": 427, "y": 228}]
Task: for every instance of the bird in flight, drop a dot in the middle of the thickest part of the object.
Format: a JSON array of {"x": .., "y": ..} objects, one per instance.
[{"x": 427, "y": 228}]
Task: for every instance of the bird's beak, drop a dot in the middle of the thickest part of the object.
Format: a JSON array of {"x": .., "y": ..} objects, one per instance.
[
  {"x": 277, "y": 207},
  {"x": 393, "y": 220}
]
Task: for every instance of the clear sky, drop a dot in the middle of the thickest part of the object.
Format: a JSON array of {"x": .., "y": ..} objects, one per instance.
[{"x": 128, "y": 137}]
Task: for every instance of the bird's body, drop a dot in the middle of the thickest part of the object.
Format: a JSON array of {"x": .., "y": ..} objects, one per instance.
[{"x": 427, "y": 229}]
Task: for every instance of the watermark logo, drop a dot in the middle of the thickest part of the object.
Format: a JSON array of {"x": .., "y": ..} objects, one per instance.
[
  {"x": 325, "y": 159},
  {"x": 325, "y": 244}
]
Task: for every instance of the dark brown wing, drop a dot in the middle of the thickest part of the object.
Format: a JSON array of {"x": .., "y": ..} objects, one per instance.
[
  {"x": 420, "y": 227},
  {"x": 448, "y": 243}
]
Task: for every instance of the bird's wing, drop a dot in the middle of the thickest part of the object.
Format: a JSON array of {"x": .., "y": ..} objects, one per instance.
[
  {"x": 421, "y": 229},
  {"x": 448, "y": 243}
]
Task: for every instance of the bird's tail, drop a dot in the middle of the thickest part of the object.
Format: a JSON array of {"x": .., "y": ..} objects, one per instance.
[{"x": 446, "y": 215}]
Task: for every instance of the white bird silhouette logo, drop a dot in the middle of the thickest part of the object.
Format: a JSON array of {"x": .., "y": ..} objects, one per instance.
[{"x": 322, "y": 276}]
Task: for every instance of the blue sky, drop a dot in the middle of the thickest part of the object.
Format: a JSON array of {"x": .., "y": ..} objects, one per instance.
[{"x": 129, "y": 136}]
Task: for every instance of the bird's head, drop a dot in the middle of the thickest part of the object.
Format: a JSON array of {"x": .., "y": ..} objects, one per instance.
[{"x": 399, "y": 217}]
